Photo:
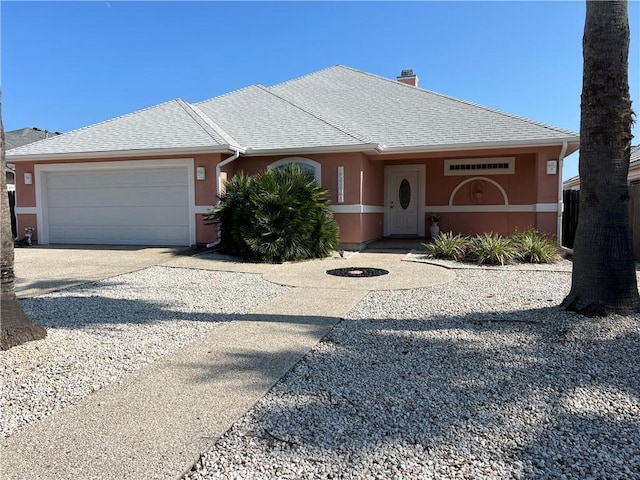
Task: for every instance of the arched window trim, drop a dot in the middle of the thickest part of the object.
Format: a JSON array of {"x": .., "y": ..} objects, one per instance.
[{"x": 317, "y": 168}]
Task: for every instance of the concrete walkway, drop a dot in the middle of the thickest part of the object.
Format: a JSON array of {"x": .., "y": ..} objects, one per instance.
[{"x": 158, "y": 421}]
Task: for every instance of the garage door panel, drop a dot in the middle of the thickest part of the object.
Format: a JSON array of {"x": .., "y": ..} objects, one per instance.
[
  {"x": 110, "y": 216},
  {"x": 119, "y": 197},
  {"x": 128, "y": 207},
  {"x": 101, "y": 235},
  {"x": 123, "y": 178}
]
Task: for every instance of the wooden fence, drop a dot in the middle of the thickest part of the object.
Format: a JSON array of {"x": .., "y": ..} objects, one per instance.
[
  {"x": 12, "y": 212},
  {"x": 571, "y": 199},
  {"x": 634, "y": 217}
]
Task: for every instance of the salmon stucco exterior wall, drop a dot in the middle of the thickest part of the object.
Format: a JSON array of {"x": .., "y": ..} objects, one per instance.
[
  {"x": 467, "y": 204},
  {"x": 502, "y": 203},
  {"x": 25, "y": 197},
  {"x": 362, "y": 189},
  {"x": 206, "y": 196}
]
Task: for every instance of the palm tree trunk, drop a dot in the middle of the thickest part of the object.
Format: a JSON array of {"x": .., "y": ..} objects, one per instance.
[
  {"x": 15, "y": 327},
  {"x": 604, "y": 278}
]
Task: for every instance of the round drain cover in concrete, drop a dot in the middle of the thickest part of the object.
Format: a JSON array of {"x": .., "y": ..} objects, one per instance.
[{"x": 357, "y": 272}]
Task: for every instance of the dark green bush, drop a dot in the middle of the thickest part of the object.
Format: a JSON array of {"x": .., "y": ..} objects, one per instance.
[
  {"x": 276, "y": 216},
  {"x": 232, "y": 211}
]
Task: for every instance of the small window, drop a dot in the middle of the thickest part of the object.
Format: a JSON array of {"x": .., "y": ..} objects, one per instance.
[
  {"x": 305, "y": 164},
  {"x": 405, "y": 194},
  {"x": 485, "y": 166}
]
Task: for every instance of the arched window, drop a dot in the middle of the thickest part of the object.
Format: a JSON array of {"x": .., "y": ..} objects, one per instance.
[{"x": 304, "y": 164}]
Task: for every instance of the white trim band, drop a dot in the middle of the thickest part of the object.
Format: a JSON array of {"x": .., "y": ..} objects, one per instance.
[
  {"x": 26, "y": 210},
  {"x": 537, "y": 207},
  {"x": 202, "y": 209},
  {"x": 357, "y": 209}
]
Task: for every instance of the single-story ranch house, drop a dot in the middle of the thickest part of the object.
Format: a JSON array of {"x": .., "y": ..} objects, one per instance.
[{"x": 390, "y": 154}]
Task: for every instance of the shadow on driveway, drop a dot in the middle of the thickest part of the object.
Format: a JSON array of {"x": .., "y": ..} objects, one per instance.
[{"x": 44, "y": 269}]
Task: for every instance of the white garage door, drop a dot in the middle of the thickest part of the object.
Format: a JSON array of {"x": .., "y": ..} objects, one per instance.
[{"x": 119, "y": 207}]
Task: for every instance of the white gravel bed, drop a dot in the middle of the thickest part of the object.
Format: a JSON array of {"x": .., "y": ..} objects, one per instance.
[
  {"x": 484, "y": 377},
  {"x": 97, "y": 333}
]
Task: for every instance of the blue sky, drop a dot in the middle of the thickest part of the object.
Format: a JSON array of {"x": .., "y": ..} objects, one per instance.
[{"x": 66, "y": 65}]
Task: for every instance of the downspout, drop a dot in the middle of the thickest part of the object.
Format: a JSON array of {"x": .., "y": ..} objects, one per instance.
[
  {"x": 226, "y": 161},
  {"x": 563, "y": 152}
]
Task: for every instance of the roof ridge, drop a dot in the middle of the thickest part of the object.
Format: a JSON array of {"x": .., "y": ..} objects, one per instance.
[
  {"x": 304, "y": 76},
  {"x": 207, "y": 123},
  {"x": 466, "y": 102},
  {"x": 254, "y": 85},
  {"x": 338, "y": 127}
]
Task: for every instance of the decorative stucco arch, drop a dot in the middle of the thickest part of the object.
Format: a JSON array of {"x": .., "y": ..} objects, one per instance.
[{"x": 473, "y": 179}]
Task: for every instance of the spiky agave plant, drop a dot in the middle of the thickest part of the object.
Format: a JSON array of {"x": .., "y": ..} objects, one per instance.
[
  {"x": 533, "y": 246},
  {"x": 493, "y": 249},
  {"x": 449, "y": 246}
]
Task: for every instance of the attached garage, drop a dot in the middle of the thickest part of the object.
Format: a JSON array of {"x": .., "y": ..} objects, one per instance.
[{"x": 119, "y": 203}]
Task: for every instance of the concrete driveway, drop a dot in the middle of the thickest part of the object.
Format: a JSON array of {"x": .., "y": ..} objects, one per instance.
[{"x": 43, "y": 269}]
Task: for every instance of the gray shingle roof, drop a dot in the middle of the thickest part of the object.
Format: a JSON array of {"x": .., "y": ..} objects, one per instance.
[
  {"x": 261, "y": 120},
  {"x": 24, "y": 136},
  {"x": 338, "y": 107},
  {"x": 399, "y": 115},
  {"x": 170, "y": 125}
]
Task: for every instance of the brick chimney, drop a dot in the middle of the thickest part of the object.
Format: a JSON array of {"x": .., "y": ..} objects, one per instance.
[{"x": 408, "y": 77}]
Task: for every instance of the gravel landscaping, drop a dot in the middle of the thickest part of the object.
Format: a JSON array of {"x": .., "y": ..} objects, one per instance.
[
  {"x": 483, "y": 377},
  {"x": 99, "y": 332}
]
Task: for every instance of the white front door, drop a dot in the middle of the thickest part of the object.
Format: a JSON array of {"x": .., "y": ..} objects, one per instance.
[{"x": 404, "y": 192}]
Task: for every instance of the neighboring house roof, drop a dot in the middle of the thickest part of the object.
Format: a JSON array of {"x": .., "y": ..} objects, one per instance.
[
  {"x": 634, "y": 165},
  {"x": 635, "y": 154},
  {"x": 571, "y": 184},
  {"x": 634, "y": 171},
  {"x": 24, "y": 136},
  {"x": 17, "y": 138},
  {"x": 334, "y": 109}
]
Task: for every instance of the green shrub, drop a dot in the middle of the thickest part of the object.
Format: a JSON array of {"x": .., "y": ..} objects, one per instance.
[
  {"x": 276, "y": 216},
  {"x": 493, "y": 249},
  {"x": 533, "y": 246},
  {"x": 448, "y": 246}
]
